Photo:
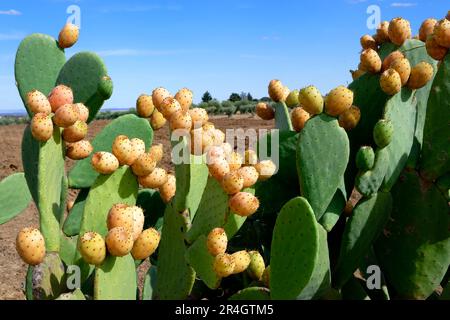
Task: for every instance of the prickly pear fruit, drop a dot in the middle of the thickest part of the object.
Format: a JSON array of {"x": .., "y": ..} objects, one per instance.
[
  {"x": 41, "y": 127},
  {"x": 119, "y": 242},
  {"x": 227, "y": 148},
  {"x": 138, "y": 221},
  {"x": 224, "y": 265},
  {"x": 383, "y": 32},
  {"x": 215, "y": 153},
  {"x": 350, "y": 118},
  {"x": 208, "y": 126},
  {"x": 421, "y": 74},
  {"x": 232, "y": 182},
  {"x": 257, "y": 266},
  {"x": 199, "y": 117},
  {"x": 403, "y": 67},
  {"x": 180, "y": 120},
  {"x": 158, "y": 96},
  {"x": 383, "y": 133},
  {"x": 292, "y": 99},
  {"x": 169, "y": 106},
  {"x": 391, "y": 82},
  {"x": 37, "y": 102},
  {"x": 79, "y": 150},
  {"x": 30, "y": 246},
  {"x": 434, "y": 50},
  {"x": 219, "y": 168},
  {"x": 146, "y": 244},
  {"x": 266, "y": 277},
  {"x": 365, "y": 159},
  {"x": 75, "y": 132},
  {"x": 68, "y": 36},
  {"x": 250, "y": 158},
  {"x": 157, "y": 120},
  {"x": 442, "y": 33},
  {"x": 122, "y": 148},
  {"x": 218, "y": 137},
  {"x": 241, "y": 261},
  {"x": 338, "y": 101},
  {"x": 217, "y": 241},
  {"x": 200, "y": 141},
  {"x": 66, "y": 116},
  {"x": 399, "y": 31},
  {"x": 154, "y": 180},
  {"x": 427, "y": 29},
  {"x": 69, "y": 205},
  {"x": 265, "y": 111},
  {"x": 83, "y": 112},
  {"x": 277, "y": 91},
  {"x": 356, "y": 74},
  {"x": 168, "y": 189},
  {"x": 368, "y": 42},
  {"x": 104, "y": 162},
  {"x": 371, "y": 61},
  {"x": 60, "y": 96},
  {"x": 266, "y": 169},
  {"x": 120, "y": 216},
  {"x": 138, "y": 147},
  {"x": 144, "y": 106},
  {"x": 144, "y": 165},
  {"x": 311, "y": 100},
  {"x": 92, "y": 248},
  {"x": 184, "y": 97},
  {"x": 299, "y": 117},
  {"x": 395, "y": 55},
  {"x": 250, "y": 176},
  {"x": 157, "y": 151},
  {"x": 244, "y": 204},
  {"x": 235, "y": 161}
]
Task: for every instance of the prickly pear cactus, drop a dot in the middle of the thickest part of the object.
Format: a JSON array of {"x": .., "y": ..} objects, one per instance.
[
  {"x": 369, "y": 182},
  {"x": 282, "y": 118},
  {"x": 48, "y": 278},
  {"x": 14, "y": 197},
  {"x": 251, "y": 294},
  {"x": 72, "y": 224}
]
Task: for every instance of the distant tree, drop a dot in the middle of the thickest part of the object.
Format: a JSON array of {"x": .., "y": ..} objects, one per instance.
[
  {"x": 265, "y": 99},
  {"x": 243, "y": 96},
  {"x": 234, "y": 97},
  {"x": 249, "y": 97},
  {"x": 206, "y": 97}
]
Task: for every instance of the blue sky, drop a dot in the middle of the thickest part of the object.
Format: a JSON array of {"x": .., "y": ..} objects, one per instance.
[{"x": 220, "y": 46}]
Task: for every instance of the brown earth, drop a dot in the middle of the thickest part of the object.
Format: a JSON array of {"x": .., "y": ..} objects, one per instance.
[{"x": 12, "y": 269}]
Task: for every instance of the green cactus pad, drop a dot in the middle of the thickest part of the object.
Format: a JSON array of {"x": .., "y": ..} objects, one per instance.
[
  {"x": 115, "y": 279},
  {"x": 211, "y": 212},
  {"x": 435, "y": 159},
  {"x": 202, "y": 261},
  {"x": 175, "y": 276},
  {"x": 320, "y": 281},
  {"x": 43, "y": 163},
  {"x": 371, "y": 260},
  {"x": 362, "y": 228},
  {"x": 14, "y": 196},
  {"x": 76, "y": 295},
  {"x": 414, "y": 250},
  {"x": 251, "y": 294},
  {"x": 443, "y": 184},
  {"x": 401, "y": 111},
  {"x": 69, "y": 252},
  {"x": 353, "y": 290},
  {"x": 294, "y": 251},
  {"x": 83, "y": 175},
  {"x": 38, "y": 62},
  {"x": 335, "y": 209},
  {"x": 48, "y": 278},
  {"x": 119, "y": 187},
  {"x": 282, "y": 117},
  {"x": 72, "y": 224},
  {"x": 84, "y": 73},
  {"x": 150, "y": 201},
  {"x": 322, "y": 157},
  {"x": 368, "y": 183},
  {"x": 150, "y": 281}
]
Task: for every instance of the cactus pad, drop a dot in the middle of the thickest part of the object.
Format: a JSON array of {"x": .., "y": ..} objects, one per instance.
[
  {"x": 322, "y": 157},
  {"x": 48, "y": 278},
  {"x": 282, "y": 117},
  {"x": 294, "y": 251},
  {"x": 251, "y": 294},
  {"x": 83, "y": 175},
  {"x": 72, "y": 224},
  {"x": 150, "y": 201},
  {"x": 149, "y": 283},
  {"x": 76, "y": 295},
  {"x": 14, "y": 196},
  {"x": 369, "y": 182},
  {"x": 38, "y": 62}
]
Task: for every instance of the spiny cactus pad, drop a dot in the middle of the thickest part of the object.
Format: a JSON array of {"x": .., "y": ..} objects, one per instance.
[
  {"x": 251, "y": 294},
  {"x": 322, "y": 157},
  {"x": 362, "y": 228},
  {"x": 414, "y": 249},
  {"x": 72, "y": 224},
  {"x": 369, "y": 182},
  {"x": 43, "y": 164},
  {"x": 294, "y": 251},
  {"x": 85, "y": 73},
  {"x": 335, "y": 209},
  {"x": 116, "y": 279},
  {"x": 282, "y": 117},
  {"x": 83, "y": 175},
  {"x": 48, "y": 278},
  {"x": 150, "y": 201},
  {"x": 68, "y": 251},
  {"x": 150, "y": 283},
  {"x": 14, "y": 196},
  {"x": 38, "y": 62}
]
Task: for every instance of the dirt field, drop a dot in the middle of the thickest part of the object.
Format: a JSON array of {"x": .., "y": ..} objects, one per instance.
[{"x": 12, "y": 269}]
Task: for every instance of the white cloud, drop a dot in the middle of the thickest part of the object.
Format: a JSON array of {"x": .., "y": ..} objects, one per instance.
[
  {"x": 10, "y": 12},
  {"x": 403, "y": 4}
]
